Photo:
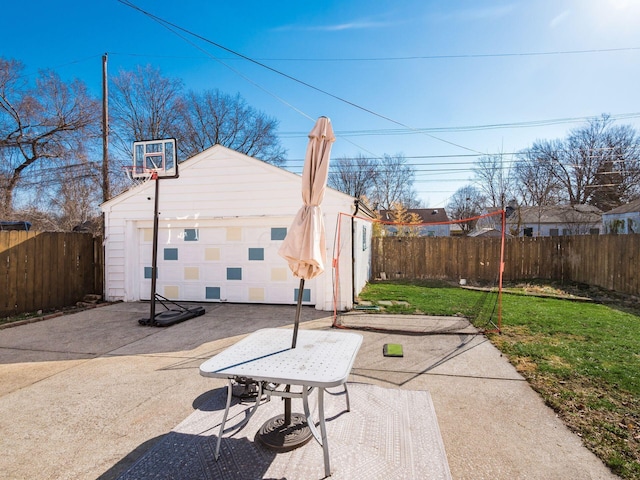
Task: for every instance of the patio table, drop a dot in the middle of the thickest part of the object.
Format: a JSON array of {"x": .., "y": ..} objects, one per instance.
[{"x": 321, "y": 359}]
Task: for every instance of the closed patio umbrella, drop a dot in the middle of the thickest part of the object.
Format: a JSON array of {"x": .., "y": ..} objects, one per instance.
[
  {"x": 304, "y": 246},
  {"x": 304, "y": 249}
]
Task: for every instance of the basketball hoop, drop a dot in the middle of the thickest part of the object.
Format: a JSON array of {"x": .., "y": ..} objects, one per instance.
[{"x": 138, "y": 175}]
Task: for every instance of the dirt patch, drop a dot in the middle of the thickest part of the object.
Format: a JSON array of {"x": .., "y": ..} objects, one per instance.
[
  {"x": 525, "y": 365},
  {"x": 577, "y": 292}
]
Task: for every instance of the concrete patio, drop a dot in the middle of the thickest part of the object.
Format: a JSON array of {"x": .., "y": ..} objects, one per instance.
[{"x": 86, "y": 395}]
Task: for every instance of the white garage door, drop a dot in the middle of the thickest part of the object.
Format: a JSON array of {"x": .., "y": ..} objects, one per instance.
[{"x": 220, "y": 264}]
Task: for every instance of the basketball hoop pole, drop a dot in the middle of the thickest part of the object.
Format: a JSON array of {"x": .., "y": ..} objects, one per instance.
[
  {"x": 153, "y": 160},
  {"x": 154, "y": 258}
]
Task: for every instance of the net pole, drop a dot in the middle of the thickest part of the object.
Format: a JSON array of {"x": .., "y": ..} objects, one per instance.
[
  {"x": 502, "y": 242},
  {"x": 336, "y": 268}
]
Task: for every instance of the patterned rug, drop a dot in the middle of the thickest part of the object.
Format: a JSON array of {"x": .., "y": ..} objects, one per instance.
[{"x": 388, "y": 434}]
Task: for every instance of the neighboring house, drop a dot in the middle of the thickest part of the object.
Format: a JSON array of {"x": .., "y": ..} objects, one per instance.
[
  {"x": 435, "y": 218},
  {"x": 455, "y": 230},
  {"x": 557, "y": 220},
  {"x": 221, "y": 224},
  {"x": 14, "y": 225},
  {"x": 486, "y": 232},
  {"x": 624, "y": 219},
  {"x": 490, "y": 223}
]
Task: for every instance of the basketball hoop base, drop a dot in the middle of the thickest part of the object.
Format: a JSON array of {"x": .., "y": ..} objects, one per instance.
[
  {"x": 171, "y": 316},
  {"x": 277, "y": 436}
]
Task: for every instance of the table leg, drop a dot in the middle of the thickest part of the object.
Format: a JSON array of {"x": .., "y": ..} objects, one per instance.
[
  {"x": 323, "y": 429},
  {"x": 226, "y": 413},
  {"x": 321, "y": 437},
  {"x": 224, "y": 419},
  {"x": 346, "y": 391},
  {"x": 310, "y": 422}
]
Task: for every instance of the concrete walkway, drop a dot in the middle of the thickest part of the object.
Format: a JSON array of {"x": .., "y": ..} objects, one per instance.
[{"x": 84, "y": 395}]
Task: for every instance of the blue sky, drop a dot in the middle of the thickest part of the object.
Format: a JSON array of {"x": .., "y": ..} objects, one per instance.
[{"x": 439, "y": 82}]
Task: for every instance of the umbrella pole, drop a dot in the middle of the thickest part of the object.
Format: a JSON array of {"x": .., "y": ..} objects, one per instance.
[
  {"x": 287, "y": 401},
  {"x": 289, "y": 431},
  {"x": 298, "y": 308}
]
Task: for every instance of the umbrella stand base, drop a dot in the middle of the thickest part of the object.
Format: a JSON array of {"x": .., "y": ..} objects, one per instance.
[{"x": 277, "y": 436}]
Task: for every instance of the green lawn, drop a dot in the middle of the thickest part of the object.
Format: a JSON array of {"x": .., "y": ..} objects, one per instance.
[{"x": 582, "y": 357}]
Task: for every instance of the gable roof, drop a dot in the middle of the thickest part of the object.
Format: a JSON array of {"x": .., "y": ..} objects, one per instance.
[
  {"x": 427, "y": 215},
  {"x": 487, "y": 232},
  {"x": 216, "y": 162},
  {"x": 558, "y": 214},
  {"x": 631, "y": 207}
]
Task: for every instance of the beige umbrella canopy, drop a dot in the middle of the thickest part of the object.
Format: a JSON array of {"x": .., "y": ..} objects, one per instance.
[
  {"x": 303, "y": 248},
  {"x": 304, "y": 245}
]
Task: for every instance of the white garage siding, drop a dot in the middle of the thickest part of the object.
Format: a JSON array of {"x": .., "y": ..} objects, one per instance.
[
  {"x": 233, "y": 260},
  {"x": 221, "y": 224}
]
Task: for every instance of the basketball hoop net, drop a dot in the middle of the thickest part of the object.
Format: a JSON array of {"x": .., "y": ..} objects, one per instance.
[{"x": 138, "y": 175}]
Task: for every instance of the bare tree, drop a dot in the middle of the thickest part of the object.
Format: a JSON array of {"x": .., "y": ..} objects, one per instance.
[
  {"x": 394, "y": 183},
  {"x": 43, "y": 127},
  {"x": 74, "y": 199},
  {"x": 212, "y": 117},
  {"x": 144, "y": 105},
  {"x": 147, "y": 105},
  {"x": 466, "y": 202},
  {"x": 493, "y": 180},
  {"x": 354, "y": 176},
  {"x": 598, "y": 164},
  {"x": 534, "y": 181},
  {"x": 536, "y": 185},
  {"x": 619, "y": 172}
]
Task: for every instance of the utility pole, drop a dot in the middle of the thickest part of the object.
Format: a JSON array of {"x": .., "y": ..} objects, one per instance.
[{"x": 105, "y": 131}]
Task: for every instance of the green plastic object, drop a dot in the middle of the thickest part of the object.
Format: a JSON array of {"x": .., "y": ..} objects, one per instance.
[{"x": 392, "y": 350}]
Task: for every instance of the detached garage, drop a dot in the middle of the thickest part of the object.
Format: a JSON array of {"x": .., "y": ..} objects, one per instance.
[{"x": 221, "y": 223}]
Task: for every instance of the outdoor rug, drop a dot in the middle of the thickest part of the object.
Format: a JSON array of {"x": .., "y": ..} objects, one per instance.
[{"x": 388, "y": 434}]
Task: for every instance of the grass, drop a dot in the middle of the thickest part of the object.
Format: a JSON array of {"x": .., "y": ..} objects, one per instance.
[{"x": 582, "y": 357}]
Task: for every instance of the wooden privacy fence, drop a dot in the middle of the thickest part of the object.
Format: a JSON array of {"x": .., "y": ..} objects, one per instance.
[
  {"x": 607, "y": 261},
  {"x": 47, "y": 270}
]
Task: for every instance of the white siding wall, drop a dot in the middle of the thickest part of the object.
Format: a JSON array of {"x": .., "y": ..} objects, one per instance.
[
  {"x": 629, "y": 222},
  {"x": 362, "y": 264},
  {"x": 544, "y": 229}
]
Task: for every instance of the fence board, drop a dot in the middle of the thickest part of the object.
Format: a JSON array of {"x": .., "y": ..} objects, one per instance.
[
  {"x": 60, "y": 245},
  {"x": 607, "y": 261},
  {"x": 38, "y": 269},
  {"x": 47, "y": 273},
  {"x": 71, "y": 272},
  {"x": 4, "y": 273},
  {"x": 17, "y": 269},
  {"x": 30, "y": 256}
]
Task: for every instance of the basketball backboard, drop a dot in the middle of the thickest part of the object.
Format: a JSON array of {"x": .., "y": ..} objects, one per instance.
[{"x": 157, "y": 156}]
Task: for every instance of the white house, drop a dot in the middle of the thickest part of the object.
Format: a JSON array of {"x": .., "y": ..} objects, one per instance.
[
  {"x": 556, "y": 220},
  {"x": 221, "y": 223},
  {"x": 624, "y": 219}
]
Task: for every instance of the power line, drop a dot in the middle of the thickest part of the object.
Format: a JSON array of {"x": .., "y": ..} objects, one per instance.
[
  {"x": 468, "y": 128},
  {"x": 285, "y": 75},
  {"x": 469, "y": 55},
  {"x": 411, "y": 57},
  {"x": 620, "y": 157}
]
